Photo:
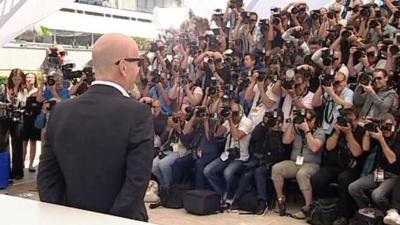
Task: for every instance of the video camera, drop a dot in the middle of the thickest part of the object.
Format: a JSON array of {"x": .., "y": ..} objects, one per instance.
[{"x": 73, "y": 76}]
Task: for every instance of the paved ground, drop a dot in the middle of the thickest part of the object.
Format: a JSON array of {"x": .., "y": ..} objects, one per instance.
[{"x": 26, "y": 188}]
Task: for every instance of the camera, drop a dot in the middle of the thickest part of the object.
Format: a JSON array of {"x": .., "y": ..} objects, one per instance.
[
  {"x": 373, "y": 126},
  {"x": 262, "y": 75},
  {"x": 246, "y": 17},
  {"x": 154, "y": 47},
  {"x": 365, "y": 11},
  {"x": 394, "y": 49},
  {"x": 342, "y": 120},
  {"x": 373, "y": 23},
  {"x": 264, "y": 25},
  {"x": 315, "y": 14},
  {"x": 213, "y": 90},
  {"x": 331, "y": 15},
  {"x": 50, "y": 80},
  {"x": 326, "y": 79},
  {"x": 273, "y": 117},
  {"x": 234, "y": 153},
  {"x": 185, "y": 79},
  {"x": 365, "y": 78},
  {"x": 327, "y": 57},
  {"x": 235, "y": 3},
  {"x": 288, "y": 84},
  {"x": 346, "y": 34},
  {"x": 201, "y": 112},
  {"x": 156, "y": 76},
  {"x": 276, "y": 15},
  {"x": 226, "y": 111},
  {"x": 299, "y": 116},
  {"x": 359, "y": 53},
  {"x": 50, "y": 104}
]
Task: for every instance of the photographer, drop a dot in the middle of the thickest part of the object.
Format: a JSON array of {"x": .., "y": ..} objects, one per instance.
[
  {"x": 332, "y": 95},
  {"x": 260, "y": 94},
  {"x": 13, "y": 100},
  {"x": 245, "y": 30},
  {"x": 266, "y": 149},
  {"x": 295, "y": 92},
  {"x": 380, "y": 27},
  {"x": 237, "y": 128},
  {"x": 295, "y": 35},
  {"x": 304, "y": 161},
  {"x": 159, "y": 55},
  {"x": 171, "y": 149},
  {"x": 160, "y": 90},
  {"x": 54, "y": 88},
  {"x": 342, "y": 163},
  {"x": 203, "y": 147},
  {"x": 330, "y": 59},
  {"x": 373, "y": 95},
  {"x": 185, "y": 94},
  {"x": 159, "y": 122},
  {"x": 368, "y": 59},
  {"x": 299, "y": 15},
  {"x": 212, "y": 64},
  {"x": 54, "y": 59},
  {"x": 383, "y": 141}
]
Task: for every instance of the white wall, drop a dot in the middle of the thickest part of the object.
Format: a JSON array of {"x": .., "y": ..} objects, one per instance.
[{"x": 30, "y": 59}]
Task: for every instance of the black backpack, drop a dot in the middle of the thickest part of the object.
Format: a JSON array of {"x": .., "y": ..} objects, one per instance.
[
  {"x": 172, "y": 196},
  {"x": 202, "y": 202},
  {"x": 248, "y": 202},
  {"x": 323, "y": 212}
]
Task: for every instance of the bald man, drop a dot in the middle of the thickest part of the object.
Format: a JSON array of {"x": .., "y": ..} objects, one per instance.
[{"x": 99, "y": 146}]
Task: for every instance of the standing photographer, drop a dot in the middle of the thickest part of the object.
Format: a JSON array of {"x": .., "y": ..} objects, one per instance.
[
  {"x": 160, "y": 91},
  {"x": 333, "y": 95},
  {"x": 304, "y": 161},
  {"x": 246, "y": 30},
  {"x": 54, "y": 59},
  {"x": 237, "y": 127},
  {"x": 383, "y": 141},
  {"x": 373, "y": 95},
  {"x": 54, "y": 88},
  {"x": 13, "y": 100},
  {"x": 342, "y": 163}
]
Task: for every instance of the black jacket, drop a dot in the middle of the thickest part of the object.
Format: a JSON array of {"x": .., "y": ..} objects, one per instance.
[{"x": 98, "y": 153}]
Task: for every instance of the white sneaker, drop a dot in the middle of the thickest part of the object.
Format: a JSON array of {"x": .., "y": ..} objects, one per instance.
[{"x": 392, "y": 217}]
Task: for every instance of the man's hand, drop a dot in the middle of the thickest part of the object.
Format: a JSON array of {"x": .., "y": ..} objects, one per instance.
[
  {"x": 368, "y": 88},
  {"x": 304, "y": 126},
  {"x": 377, "y": 135},
  {"x": 328, "y": 89},
  {"x": 346, "y": 129}
]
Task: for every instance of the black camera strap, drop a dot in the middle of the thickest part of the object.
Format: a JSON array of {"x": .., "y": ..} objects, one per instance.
[
  {"x": 328, "y": 115},
  {"x": 301, "y": 97}
]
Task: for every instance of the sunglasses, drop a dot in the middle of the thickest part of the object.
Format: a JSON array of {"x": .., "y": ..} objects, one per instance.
[
  {"x": 378, "y": 78},
  {"x": 139, "y": 60},
  {"x": 62, "y": 53}
]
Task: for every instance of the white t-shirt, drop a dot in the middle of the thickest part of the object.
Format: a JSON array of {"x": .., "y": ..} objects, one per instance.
[
  {"x": 246, "y": 126},
  {"x": 288, "y": 106},
  {"x": 258, "y": 109},
  {"x": 331, "y": 111}
]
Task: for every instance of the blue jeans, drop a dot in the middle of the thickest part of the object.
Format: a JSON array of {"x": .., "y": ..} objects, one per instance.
[
  {"x": 184, "y": 164},
  {"x": 259, "y": 176},
  {"x": 162, "y": 168},
  {"x": 229, "y": 168}
]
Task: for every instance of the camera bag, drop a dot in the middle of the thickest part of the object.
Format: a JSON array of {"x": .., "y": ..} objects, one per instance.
[{"x": 202, "y": 202}]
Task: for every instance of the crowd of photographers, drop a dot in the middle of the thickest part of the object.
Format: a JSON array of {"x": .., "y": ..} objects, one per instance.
[{"x": 239, "y": 101}]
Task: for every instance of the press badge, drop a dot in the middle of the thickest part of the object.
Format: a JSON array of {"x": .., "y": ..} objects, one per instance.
[
  {"x": 379, "y": 175},
  {"x": 299, "y": 160}
]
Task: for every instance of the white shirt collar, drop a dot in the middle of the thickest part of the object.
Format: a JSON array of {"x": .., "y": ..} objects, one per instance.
[{"x": 112, "y": 84}]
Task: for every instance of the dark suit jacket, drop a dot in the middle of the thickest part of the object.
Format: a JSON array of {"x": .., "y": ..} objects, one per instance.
[{"x": 98, "y": 153}]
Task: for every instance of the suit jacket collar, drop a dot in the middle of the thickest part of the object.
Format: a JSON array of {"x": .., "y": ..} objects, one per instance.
[{"x": 112, "y": 84}]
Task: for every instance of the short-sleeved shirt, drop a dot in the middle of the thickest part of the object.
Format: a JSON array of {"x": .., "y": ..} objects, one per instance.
[
  {"x": 331, "y": 110},
  {"x": 300, "y": 143},
  {"x": 288, "y": 106},
  {"x": 246, "y": 126},
  {"x": 64, "y": 94},
  {"x": 165, "y": 108},
  {"x": 258, "y": 108}
]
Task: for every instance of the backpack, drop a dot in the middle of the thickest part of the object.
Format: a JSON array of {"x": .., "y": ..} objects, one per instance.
[
  {"x": 323, "y": 212},
  {"x": 172, "y": 196},
  {"x": 248, "y": 202},
  {"x": 202, "y": 202}
]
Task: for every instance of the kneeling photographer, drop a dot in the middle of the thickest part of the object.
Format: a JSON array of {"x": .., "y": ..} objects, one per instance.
[
  {"x": 304, "y": 161},
  {"x": 237, "y": 128},
  {"x": 172, "y": 148},
  {"x": 203, "y": 146},
  {"x": 266, "y": 149},
  {"x": 342, "y": 163},
  {"x": 332, "y": 95},
  {"x": 382, "y": 141}
]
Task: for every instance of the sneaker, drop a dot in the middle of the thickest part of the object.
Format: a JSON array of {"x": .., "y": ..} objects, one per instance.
[
  {"x": 303, "y": 214},
  {"x": 341, "y": 221},
  {"x": 392, "y": 217},
  {"x": 368, "y": 212}
]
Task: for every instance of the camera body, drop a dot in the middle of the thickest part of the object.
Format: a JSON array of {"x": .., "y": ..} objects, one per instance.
[
  {"x": 156, "y": 76},
  {"x": 246, "y": 17},
  {"x": 328, "y": 57},
  {"x": 326, "y": 79},
  {"x": 315, "y": 14},
  {"x": 234, "y": 153},
  {"x": 226, "y": 111},
  {"x": 273, "y": 117},
  {"x": 365, "y": 78},
  {"x": 299, "y": 116},
  {"x": 276, "y": 15},
  {"x": 263, "y": 24},
  {"x": 342, "y": 120},
  {"x": 359, "y": 53}
]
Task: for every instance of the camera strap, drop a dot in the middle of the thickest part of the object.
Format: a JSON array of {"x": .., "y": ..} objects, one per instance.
[
  {"x": 291, "y": 104},
  {"x": 328, "y": 115}
]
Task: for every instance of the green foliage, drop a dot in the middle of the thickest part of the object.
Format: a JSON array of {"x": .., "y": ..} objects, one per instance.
[
  {"x": 3, "y": 80},
  {"x": 141, "y": 42}
]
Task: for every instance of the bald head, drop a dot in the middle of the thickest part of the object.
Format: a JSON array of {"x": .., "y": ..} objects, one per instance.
[{"x": 110, "y": 48}]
